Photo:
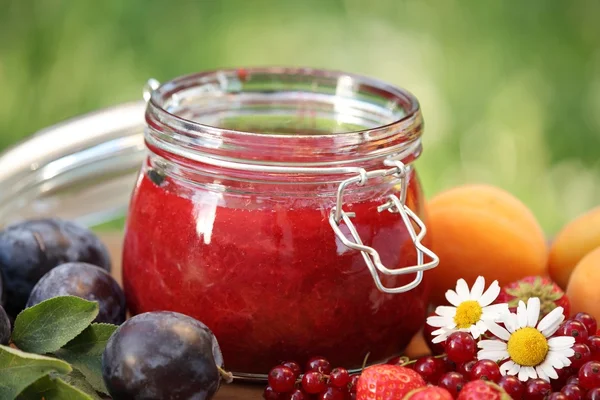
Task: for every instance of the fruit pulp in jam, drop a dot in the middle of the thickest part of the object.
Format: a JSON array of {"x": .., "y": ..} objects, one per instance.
[{"x": 268, "y": 275}]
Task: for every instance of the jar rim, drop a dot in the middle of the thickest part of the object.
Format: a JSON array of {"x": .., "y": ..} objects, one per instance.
[{"x": 165, "y": 91}]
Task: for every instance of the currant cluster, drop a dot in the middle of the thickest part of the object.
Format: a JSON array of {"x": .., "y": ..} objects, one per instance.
[
  {"x": 319, "y": 381},
  {"x": 581, "y": 380}
]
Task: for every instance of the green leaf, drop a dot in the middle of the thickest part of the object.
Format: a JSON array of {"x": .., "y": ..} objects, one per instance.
[
  {"x": 52, "y": 388},
  {"x": 78, "y": 380},
  {"x": 19, "y": 370},
  {"x": 49, "y": 325},
  {"x": 85, "y": 353}
]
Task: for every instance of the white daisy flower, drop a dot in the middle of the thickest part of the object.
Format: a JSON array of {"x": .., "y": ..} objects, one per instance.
[
  {"x": 470, "y": 312},
  {"x": 527, "y": 345}
]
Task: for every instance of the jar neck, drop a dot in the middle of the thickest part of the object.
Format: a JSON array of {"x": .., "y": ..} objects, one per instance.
[{"x": 264, "y": 124}]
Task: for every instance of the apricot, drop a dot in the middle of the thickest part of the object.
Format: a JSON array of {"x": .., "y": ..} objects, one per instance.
[
  {"x": 482, "y": 230},
  {"x": 582, "y": 289},
  {"x": 572, "y": 243}
]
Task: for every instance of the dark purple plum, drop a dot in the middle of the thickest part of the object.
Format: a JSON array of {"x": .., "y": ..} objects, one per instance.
[
  {"x": 86, "y": 281},
  {"x": 29, "y": 249},
  {"x": 162, "y": 356},
  {"x": 4, "y": 327}
]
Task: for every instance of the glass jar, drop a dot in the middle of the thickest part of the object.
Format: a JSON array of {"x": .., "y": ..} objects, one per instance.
[{"x": 280, "y": 207}]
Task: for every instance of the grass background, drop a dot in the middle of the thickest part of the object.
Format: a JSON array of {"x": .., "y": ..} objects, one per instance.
[{"x": 510, "y": 90}]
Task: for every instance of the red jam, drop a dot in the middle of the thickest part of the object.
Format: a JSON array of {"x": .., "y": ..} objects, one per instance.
[{"x": 268, "y": 274}]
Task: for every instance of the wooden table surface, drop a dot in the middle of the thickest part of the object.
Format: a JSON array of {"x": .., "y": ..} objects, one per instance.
[{"x": 234, "y": 391}]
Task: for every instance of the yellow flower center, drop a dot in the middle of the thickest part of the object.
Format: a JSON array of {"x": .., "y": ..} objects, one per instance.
[
  {"x": 467, "y": 314},
  {"x": 528, "y": 347}
]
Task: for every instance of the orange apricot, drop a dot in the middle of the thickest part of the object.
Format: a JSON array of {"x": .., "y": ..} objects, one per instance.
[
  {"x": 582, "y": 289},
  {"x": 572, "y": 243},
  {"x": 482, "y": 230}
]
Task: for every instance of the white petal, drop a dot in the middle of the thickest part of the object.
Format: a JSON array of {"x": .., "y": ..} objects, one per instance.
[
  {"x": 531, "y": 372},
  {"x": 442, "y": 334},
  {"x": 533, "y": 311},
  {"x": 540, "y": 373},
  {"x": 494, "y": 355},
  {"x": 491, "y": 344},
  {"x": 551, "y": 318},
  {"x": 495, "y": 311},
  {"x": 462, "y": 289},
  {"x": 498, "y": 330},
  {"x": 453, "y": 298},
  {"x": 504, "y": 368},
  {"x": 510, "y": 322},
  {"x": 561, "y": 342},
  {"x": 439, "y": 322},
  {"x": 474, "y": 331},
  {"x": 551, "y": 372},
  {"x": 490, "y": 295},
  {"x": 446, "y": 311},
  {"x": 481, "y": 326},
  {"x": 477, "y": 289},
  {"x": 523, "y": 374},
  {"x": 522, "y": 314},
  {"x": 514, "y": 370}
]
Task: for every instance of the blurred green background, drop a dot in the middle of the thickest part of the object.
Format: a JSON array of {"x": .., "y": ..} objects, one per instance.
[{"x": 510, "y": 89}]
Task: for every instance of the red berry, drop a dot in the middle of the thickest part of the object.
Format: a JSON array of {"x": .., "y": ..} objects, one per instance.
[
  {"x": 593, "y": 394},
  {"x": 318, "y": 364},
  {"x": 270, "y": 394},
  {"x": 297, "y": 395},
  {"x": 387, "y": 382},
  {"x": 486, "y": 370},
  {"x": 332, "y": 393},
  {"x": 573, "y": 392},
  {"x": 449, "y": 365},
  {"x": 481, "y": 390},
  {"x": 581, "y": 356},
  {"x": 294, "y": 366},
  {"x": 573, "y": 328},
  {"x": 429, "y": 393},
  {"x": 589, "y": 375},
  {"x": 537, "y": 389},
  {"x": 282, "y": 379},
  {"x": 339, "y": 377},
  {"x": 460, "y": 347},
  {"x": 313, "y": 382},
  {"x": 466, "y": 368},
  {"x": 593, "y": 343},
  {"x": 557, "y": 396},
  {"x": 452, "y": 382},
  {"x": 435, "y": 348},
  {"x": 549, "y": 293},
  {"x": 512, "y": 385},
  {"x": 353, "y": 383},
  {"x": 430, "y": 368},
  {"x": 563, "y": 374},
  {"x": 573, "y": 380},
  {"x": 587, "y": 320}
]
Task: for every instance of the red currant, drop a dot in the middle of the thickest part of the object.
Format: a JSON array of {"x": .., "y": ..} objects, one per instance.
[
  {"x": 512, "y": 385},
  {"x": 573, "y": 392},
  {"x": 270, "y": 394},
  {"x": 581, "y": 356},
  {"x": 332, "y": 393},
  {"x": 593, "y": 343},
  {"x": 449, "y": 365},
  {"x": 452, "y": 382},
  {"x": 593, "y": 394},
  {"x": 435, "y": 348},
  {"x": 353, "y": 383},
  {"x": 573, "y": 328},
  {"x": 587, "y": 320},
  {"x": 430, "y": 368},
  {"x": 460, "y": 347},
  {"x": 282, "y": 379},
  {"x": 339, "y": 377},
  {"x": 318, "y": 364},
  {"x": 486, "y": 370},
  {"x": 466, "y": 368},
  {"x": 557, "y": 396},
  {"x": 573, "y": 380},
  {"x": 589, "y": 375},
  {"x": 313, "y": 382},
  {"x": 297, "y": 395},
  {"x": 563, "y": 374},
  {"x": 537, "y": 389},
  {"x": 294, "y": 366}
]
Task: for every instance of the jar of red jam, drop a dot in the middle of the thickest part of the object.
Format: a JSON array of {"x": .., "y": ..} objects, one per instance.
[{"x": 280, "y": 207}]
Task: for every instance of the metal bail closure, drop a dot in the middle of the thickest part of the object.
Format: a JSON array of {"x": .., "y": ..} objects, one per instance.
[{"x": 393, "y": 205}]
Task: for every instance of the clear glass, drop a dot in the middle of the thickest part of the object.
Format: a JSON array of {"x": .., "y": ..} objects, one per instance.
[{"x": 249, "y": 250}]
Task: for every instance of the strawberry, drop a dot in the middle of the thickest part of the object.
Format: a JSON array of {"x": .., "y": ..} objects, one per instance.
[
  {"x": 429, "y": 393},
  {"x": 482, "y": 390},
  {"x": 550, "y": 294},
  {"x": 387, "y": 382}
]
